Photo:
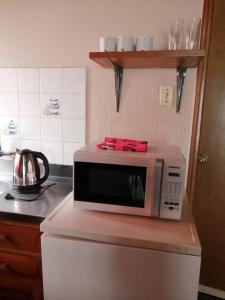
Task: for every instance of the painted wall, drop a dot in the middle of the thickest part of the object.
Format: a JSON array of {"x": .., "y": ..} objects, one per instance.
[{"x": 60, "y": 33}]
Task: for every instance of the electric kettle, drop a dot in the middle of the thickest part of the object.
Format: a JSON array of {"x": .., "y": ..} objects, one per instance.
[{"x": 26, "y": 171}]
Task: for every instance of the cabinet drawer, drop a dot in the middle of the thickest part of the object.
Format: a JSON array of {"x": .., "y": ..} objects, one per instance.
[
  {"x": 14, "y": 295},
  {"x": 11, "y": 289},
  {"x": 9, "y": 294},
  {"x": 13, "y": 265},
  {"x": 19, "y": 237}
]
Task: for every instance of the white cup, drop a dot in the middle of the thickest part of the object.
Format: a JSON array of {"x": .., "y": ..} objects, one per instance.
[
  {"x": 8, "y": 143},
  {"x": 108, "y": 43},
  {"x": 125, "y": 43},
  {"x": 144, "y": 43}
]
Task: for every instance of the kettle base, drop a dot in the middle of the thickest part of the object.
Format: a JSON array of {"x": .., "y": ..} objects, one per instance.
[{"x": 34, "y": 189}]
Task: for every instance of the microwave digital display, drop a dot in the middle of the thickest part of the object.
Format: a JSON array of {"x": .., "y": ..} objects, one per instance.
[
  {"x": 110, "y": 184},
  {"x": 174, "y": 174}
]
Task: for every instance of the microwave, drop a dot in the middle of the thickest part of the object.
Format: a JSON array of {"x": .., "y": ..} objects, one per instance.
[{"x": 146, "y": 184}]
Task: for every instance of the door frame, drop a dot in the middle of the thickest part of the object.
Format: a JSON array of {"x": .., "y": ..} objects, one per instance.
[{"x": 199, "y": 98}]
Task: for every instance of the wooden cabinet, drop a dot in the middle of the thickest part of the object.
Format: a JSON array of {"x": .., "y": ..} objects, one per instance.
[
  {"x": 19, "y": 236},
  {"x": 20, "y": 260}
]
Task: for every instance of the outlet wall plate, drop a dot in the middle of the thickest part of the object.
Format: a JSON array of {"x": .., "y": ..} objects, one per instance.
[{"x": 166, "y": 95}]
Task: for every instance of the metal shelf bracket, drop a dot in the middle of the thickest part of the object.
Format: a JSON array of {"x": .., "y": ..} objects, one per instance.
[
  {"x": 118, "y": 73},
  {"x": 181, "y": 73}
]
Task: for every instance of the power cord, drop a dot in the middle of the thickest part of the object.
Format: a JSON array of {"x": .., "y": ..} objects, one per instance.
[{"x": 9, "y": 196}]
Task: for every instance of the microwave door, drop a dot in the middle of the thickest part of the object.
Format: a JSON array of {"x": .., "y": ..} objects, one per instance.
[
  {"x": 121, "y": 185},
  {"x": 157, "y": 188}
]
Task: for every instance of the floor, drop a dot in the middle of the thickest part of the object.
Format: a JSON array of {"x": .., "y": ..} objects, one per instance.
[{"x": 207, "y": 297}]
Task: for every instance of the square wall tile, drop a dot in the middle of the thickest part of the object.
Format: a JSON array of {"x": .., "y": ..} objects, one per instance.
[
  {"x": 74, "y": 106},
  {"x": 51, "y": 129},
  {"x": 53, "y": 151},
  {"x": 17, "y": 144},
  {"x": 29, "y": 105},
  {"x": 31, "y": 144},
  {"x": 68, "y": 152},
  {"x": 8, "y": 80},
  {"x": 4, "y": 123},
  {"x": 29, "y": 80},
  {"x": 10, "y": 145},
  {"x": 51, "y": 104},
  {"x": 74, "y": 130},
  {"x": 9, "y": 104},
  {"x": 30, "y": 128},
  {"x": 51, "y": 80},
  {"x": 74, "y": 80}
]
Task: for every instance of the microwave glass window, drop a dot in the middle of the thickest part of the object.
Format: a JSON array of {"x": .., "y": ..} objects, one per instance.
[{"x": 110, "y": 184}]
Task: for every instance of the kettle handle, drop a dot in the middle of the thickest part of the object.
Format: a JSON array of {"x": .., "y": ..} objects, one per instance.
[{"x": 46, "y": 165}]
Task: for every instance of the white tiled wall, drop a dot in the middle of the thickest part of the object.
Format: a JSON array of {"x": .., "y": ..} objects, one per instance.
[{"x": 48, "y": 106}]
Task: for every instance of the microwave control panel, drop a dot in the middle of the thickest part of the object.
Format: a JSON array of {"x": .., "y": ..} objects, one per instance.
[{"x": 172, "y": 192}]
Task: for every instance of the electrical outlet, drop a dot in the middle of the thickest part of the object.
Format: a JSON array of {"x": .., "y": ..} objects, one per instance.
[{"x": 166, "y": 95}]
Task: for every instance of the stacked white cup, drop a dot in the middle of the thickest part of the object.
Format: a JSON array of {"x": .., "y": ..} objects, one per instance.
[
  {"x": 126, "y": 43},
  {"x": 144, "y": 43}
]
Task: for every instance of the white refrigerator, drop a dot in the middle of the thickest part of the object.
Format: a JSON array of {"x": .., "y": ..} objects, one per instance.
[{"x": 89, "y": 255}]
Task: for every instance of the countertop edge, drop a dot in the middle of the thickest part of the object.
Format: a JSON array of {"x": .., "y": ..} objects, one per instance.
[{"x": 48, "y": 228}]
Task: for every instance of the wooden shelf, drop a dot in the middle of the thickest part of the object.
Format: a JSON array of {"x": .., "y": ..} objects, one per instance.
[{"x": 149, "y": 59}]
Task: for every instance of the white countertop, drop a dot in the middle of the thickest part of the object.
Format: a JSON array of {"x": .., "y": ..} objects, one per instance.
[{"x": 141, "y": 232}]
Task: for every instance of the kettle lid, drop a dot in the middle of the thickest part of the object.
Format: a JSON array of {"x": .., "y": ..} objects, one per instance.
[{"x": 24, "y": 151}]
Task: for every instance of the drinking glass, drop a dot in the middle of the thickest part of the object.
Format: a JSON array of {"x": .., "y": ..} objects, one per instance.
[
  {"x": 192, "y": 33},
  {"x": 175, "y": 34}
]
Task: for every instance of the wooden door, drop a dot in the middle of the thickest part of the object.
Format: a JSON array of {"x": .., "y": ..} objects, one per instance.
[{"x": 209, "y": 193}]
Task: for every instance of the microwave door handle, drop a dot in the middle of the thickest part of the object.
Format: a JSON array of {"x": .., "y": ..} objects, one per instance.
[{"x": 157, "y": 188}]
